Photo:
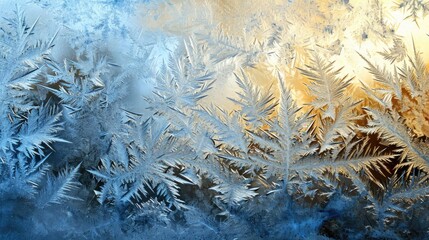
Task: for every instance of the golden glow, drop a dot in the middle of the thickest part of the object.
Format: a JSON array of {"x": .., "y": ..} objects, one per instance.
[
  {"x": 336, "y": 29},
  {"x": 355, "y": 29}
]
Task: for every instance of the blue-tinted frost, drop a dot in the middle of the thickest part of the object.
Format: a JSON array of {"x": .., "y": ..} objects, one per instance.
[{"x": 111, "y": 128}]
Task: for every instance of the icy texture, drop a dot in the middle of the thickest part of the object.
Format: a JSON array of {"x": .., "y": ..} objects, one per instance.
[{"x": 197, "y": 119}]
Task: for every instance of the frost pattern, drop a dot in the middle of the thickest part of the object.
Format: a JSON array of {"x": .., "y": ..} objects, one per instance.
[{"x": 78, "y": 138}]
